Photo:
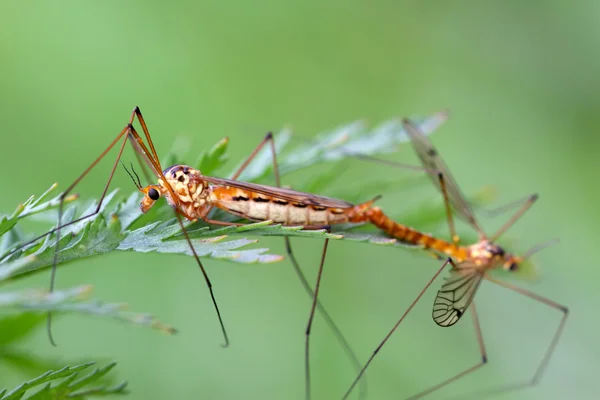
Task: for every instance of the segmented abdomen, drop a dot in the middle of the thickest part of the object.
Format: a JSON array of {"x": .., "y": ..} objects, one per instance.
[
  {"x": 409, "y": 235},
  {"x": 258, "y": 207}
]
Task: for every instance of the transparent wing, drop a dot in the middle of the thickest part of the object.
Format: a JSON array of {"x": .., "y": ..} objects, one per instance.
[
  {"x": 456, "y": 295},
  {"x": 434, "y": 165},
  {"x": 282, "y": 193}
]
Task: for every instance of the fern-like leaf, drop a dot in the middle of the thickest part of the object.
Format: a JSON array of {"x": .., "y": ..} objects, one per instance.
[
  {"x": 71, "y": 386},
  {"x": 120, "y": 225}
]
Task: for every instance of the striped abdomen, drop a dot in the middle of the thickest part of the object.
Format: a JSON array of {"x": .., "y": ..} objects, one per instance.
[
  {"x": 259, "y": 207},
  {"x": 411, "y": 236}
]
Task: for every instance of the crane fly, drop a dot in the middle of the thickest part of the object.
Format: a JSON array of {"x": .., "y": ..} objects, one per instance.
[
  {"x": 470, "y": 264},
  {"x": 148, "y": 153},
  {"x": 193, "y": 195}
]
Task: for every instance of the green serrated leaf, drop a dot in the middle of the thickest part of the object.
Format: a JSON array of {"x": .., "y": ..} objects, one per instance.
[
  {"x": 20, "y": 390},
  {"x": 154, "y": 237},
  {"x": 120, "y": 225},
  {"x": 64, "y": 385},
  {"x": 266, "y": 228},
  {"x": 7, "y": 223},
  {"x": 69, "y": 387},
  {"x": 100, "y": 391},
  {"x": 32, "y": 206},
  {"x": 128, "y": 212},
  {"x": 11, "y": 239},
  {"x": 105, "y": 232},
  {"x": 337, "y": 144},
  {"x": 36, "y": 206},
  {"x": 97, "y": 237},
  {"x": 91, "y": 377}
]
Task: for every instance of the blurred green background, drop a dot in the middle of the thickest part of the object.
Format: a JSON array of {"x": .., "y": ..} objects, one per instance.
[{"x": 521, "y": 81}]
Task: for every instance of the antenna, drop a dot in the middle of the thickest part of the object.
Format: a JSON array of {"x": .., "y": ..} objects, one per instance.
[{"x": 138, "y": 183}]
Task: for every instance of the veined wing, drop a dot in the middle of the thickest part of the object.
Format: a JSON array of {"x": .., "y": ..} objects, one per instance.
[
  {"x": 282, "y": 193},
  {"x": 434, "y": 165},
  {"x": 456, "y": 294}
]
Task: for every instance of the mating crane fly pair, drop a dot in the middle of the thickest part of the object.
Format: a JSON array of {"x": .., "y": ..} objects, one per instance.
[
  {"x": 193, "y": 195},
  {"x": 469, "y": 264}
]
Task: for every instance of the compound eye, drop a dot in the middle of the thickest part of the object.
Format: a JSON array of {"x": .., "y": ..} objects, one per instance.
[
  {"x": 153, "y": 194},
  {"x": 513, "y": 266}
]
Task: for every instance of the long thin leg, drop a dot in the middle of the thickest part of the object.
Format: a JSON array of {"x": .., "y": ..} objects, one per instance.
[
  {"x": 467, "y": 371},
  {"x": 127, "y": 130},
  {"x": 138, "y": 146},
  {"x": 208, "y": 283},
  {"x": 314, "y": 294},
  {"x": 268, "y": 138},
  {"x": 326, "y": 316},
  {"x": 328, "y": 320},
  {"x": 61, "y": 209},
  {"x": 65, "y": 195},
  {"x": 385, "y": 162},
  {"x": 151, "y": 159},
  {"x": 518, "y": 214},
  {"x": 493, "y": 212},
  {"x": 149, "y": 156},
  {"x": 385, "y": 339},
  {"x": 60, "y": 214},
  {"x": 310, "y": 322},
  {"x": 546, "y": 359},
  {"x": 439, "y": 173},
  {"x": 443, "y": 188}
]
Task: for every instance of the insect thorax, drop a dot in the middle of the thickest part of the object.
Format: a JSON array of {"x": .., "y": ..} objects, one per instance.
[
  {"x": 187, "y": 184},
  {"x": 486, "y": 254}
]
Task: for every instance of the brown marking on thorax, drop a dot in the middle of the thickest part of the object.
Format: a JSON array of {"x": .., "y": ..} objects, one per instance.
[{"x": 191, "y": 190}]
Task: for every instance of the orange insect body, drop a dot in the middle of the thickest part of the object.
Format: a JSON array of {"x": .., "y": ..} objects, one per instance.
[
  {"x": 412, "y": 236},
  {"x": 483, "y": 254},
  {"x": 256, "y": 206},
  {"x": 470, "y": 264},
  {"x": 189, "y": 189},
  {"x": 194, "y": 194}
]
